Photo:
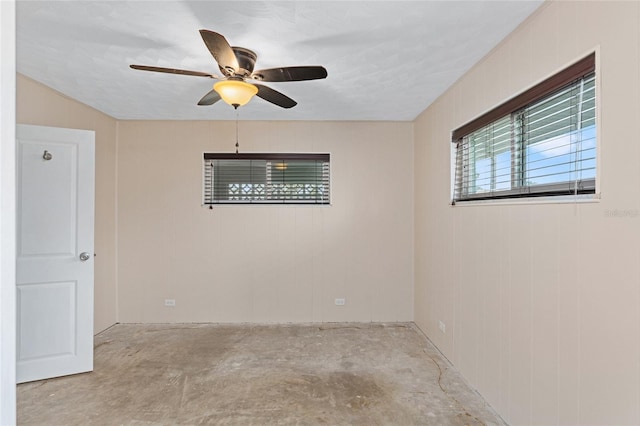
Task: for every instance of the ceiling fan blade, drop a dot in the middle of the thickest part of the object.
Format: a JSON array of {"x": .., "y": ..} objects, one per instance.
[
  {"x": 275, "y": 97},
  {"x": 173, "y": 71},
  {"x": 291, "y": 74},
  {"x": 210, "y": 98},
  {"x": 221, "y": 50}
]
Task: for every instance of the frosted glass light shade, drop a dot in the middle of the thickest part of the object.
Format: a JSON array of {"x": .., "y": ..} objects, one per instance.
[{"x": 235, "y": 92}]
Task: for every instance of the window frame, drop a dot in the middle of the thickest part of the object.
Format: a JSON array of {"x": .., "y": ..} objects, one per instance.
[
  {"x": 517, "y": 104},
  {"x": 269, "y": 157}
]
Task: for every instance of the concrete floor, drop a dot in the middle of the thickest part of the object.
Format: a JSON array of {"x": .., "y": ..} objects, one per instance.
[{"x": 329, "y": 374}]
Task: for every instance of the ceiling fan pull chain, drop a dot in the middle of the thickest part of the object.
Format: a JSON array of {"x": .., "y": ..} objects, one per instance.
[{"x": 237, "y": 144}]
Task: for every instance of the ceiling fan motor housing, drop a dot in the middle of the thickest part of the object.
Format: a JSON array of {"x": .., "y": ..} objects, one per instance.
[{"x": 246, "y": 61}]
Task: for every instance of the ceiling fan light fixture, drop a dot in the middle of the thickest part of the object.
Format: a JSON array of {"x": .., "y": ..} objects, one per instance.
[{"x": 235, "y": 92}]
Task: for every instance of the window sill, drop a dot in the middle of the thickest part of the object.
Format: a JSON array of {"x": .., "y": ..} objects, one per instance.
[
  {"x": 225, "y": 205},
  {"x": 557, "y": 199}
]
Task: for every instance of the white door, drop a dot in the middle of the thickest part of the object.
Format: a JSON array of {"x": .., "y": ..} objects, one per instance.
[{"x": 55, "y": 218}]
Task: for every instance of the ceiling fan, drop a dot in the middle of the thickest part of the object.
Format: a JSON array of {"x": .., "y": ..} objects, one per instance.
[{"x": 236, "y": 65}]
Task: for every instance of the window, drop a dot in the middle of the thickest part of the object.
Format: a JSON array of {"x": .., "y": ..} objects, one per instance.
[
  {"x": 266, "y": 178},
  {"x": 540, "y": 143}
]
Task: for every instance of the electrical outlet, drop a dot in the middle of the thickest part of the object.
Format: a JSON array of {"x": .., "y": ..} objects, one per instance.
[
  {"x": 169, "y": 302},
  {"x": 442, "y": 327},
  {"x": 340, "y": 302}
]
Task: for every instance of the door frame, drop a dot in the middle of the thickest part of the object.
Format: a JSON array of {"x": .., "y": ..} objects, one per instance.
[{"x": 7, "y": 212}]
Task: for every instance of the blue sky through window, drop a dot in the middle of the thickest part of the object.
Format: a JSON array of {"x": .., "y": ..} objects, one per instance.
[{"x": 560, "y": 159}]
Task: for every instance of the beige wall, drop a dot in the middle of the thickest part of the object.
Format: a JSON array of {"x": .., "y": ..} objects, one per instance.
[
  {"x": 541, "y": 301},
  {"x": 265, "y": 263},
  {"x": 245, "y": 263},
  {"x": 39, "y": 105}
]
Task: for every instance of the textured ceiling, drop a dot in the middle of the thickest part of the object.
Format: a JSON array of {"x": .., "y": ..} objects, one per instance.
[{"x": 387, "y": 60}]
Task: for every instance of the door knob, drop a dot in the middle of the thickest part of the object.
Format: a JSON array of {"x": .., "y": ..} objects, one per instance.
[{"x": 84, "y": 256}]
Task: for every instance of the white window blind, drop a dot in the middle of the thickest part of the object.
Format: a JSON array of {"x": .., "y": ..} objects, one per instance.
[
  {"x": 266, "y": 178},
  {"x": 546, "y": 147}
]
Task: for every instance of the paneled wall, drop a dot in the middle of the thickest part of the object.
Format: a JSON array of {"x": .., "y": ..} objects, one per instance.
[
  {"x": 242, "y": 263},
  {"x": 270, "y": 263},
  {"x": 541, "y": 302}
]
